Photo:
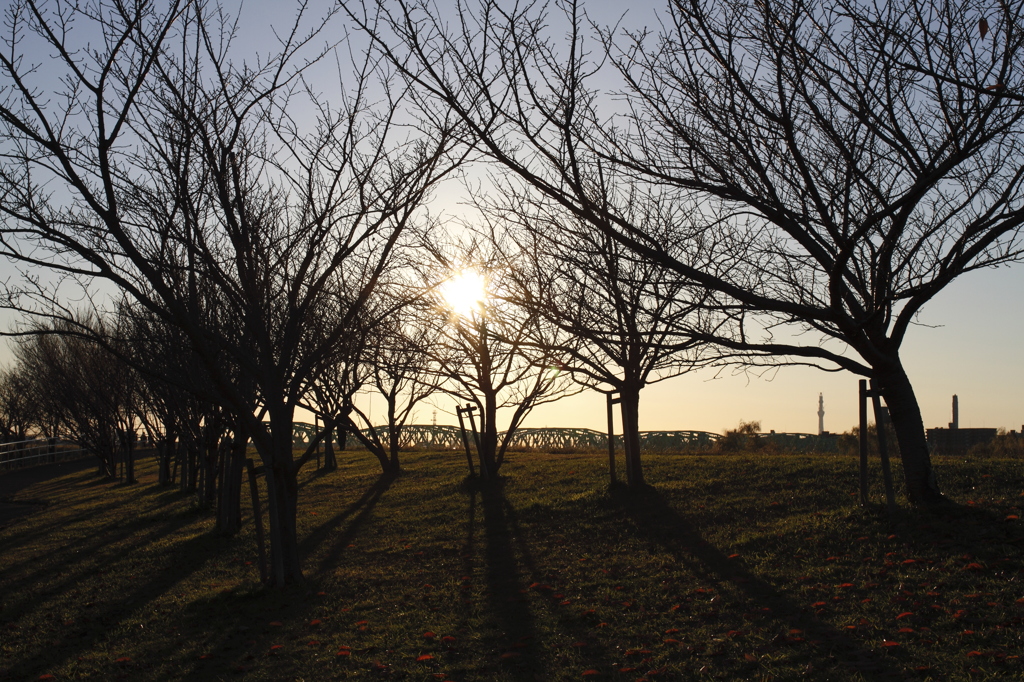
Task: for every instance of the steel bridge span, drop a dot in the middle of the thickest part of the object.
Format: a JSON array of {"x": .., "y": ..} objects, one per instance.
[
  {"x": 567, "y": 440},
  {"x": 448, "y": 437}
]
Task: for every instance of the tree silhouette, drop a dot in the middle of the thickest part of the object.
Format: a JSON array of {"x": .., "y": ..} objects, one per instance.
[{"x": 843, "y": 161}]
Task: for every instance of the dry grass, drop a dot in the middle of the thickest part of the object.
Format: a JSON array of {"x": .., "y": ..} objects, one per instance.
[{"x": 729, "y": 567}]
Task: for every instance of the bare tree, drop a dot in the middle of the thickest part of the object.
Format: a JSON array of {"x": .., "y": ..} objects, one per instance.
[
  {"x": 401, "y": 367},
  {"x": 492, "y": 354},
  {"x": 181, "y": 168},
  {"x": 87, "y": 391},
  {"x": 18, "y": 405},
  {"x": 624, "y": 321},
  {"x": 847, "y": 160}
]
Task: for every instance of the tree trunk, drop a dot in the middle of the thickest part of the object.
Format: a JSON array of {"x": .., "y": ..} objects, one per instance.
[
  {"x": 164, "y": 451},
  {"x": 629, "y": 396},
  {"x": 282, "y": 495},
  {"x": 330, "y": 461},
  {"x": 394, "y": 434},
  {"x": 129, "y": 451},
  {"x": 922, "y": 487},
  {"x": 373, "y": 445},
  {"x": 282, "y": 500},
  {"x": 489, "y": 439},
  {"x": 229, "y": 501},
  {"x": 212, "y": 455}
]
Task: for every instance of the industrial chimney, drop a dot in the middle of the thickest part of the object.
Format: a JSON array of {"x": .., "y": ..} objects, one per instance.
[{"x": 955, "y": 424}]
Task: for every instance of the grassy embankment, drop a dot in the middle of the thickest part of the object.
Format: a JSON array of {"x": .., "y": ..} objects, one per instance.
[{"x": 744, "y": 566}]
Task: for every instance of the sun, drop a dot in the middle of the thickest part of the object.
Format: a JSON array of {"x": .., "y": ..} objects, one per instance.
[{"x": 465, "y": 292}]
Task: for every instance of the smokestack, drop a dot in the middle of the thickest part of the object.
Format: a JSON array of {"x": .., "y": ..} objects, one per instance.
[
  {"x": 821, "y": 414},
  {"x": 955, "y": 424}
]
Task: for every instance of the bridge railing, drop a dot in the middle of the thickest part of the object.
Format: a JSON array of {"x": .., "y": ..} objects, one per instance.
[{"x": 545, "y": 439}]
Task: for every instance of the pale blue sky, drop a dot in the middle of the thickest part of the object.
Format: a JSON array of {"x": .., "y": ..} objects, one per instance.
[{"x": 971, "y": 346}]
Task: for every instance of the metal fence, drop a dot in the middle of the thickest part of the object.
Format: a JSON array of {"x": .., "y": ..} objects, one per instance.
[{"x": 35, "y": 451}]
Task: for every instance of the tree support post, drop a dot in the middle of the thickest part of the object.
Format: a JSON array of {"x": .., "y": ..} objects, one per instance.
[
  {"x": 863, "y": 425},
  {"x": 316, "y": 429},
  {"x": 465, "y": 439},
  {"x": 883, "y": 450},
  {"x": 485, "y": 469},
  {"x": 612, "y": 401}
]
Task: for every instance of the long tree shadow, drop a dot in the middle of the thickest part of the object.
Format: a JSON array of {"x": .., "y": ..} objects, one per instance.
[
  {"x": 94, "y": 622},
  {"x": 359, "y": 511},
  {"x": 507, "y": 604},
  {"x": 657, "y": 521}
]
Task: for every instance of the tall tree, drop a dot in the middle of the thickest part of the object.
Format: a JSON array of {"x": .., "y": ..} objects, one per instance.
[{"x": 847, "y": 161}]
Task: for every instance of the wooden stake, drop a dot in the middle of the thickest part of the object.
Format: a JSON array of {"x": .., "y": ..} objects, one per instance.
[
  {"x": 883, "y": 450},
  {"x": 611, "y": 439},
  {"x": 863, "y": 402}
]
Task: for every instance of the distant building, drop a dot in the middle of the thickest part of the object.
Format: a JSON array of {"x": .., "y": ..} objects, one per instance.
[
  {"x": 957, "y": 441},
  {"x": 821, "y": 414},
  {"x": 954, "y": 440}
]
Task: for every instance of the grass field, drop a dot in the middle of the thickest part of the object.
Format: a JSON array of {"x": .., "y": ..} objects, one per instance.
[{"x": 729, "y": 567}]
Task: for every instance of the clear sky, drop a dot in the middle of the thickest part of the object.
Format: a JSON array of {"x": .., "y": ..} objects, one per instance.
[
  {"x": 969, "y": 344},
  {"x": 972, "y": 347}
]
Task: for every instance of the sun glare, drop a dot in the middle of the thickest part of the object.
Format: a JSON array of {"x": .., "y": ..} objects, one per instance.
[{"x": 465, "y": 292}]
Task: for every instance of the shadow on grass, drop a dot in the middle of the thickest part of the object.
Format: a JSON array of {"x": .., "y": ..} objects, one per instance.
[
  {"x": 507, "y": 605},
  {"x": 657, "y": 521},
  {"x": 359, "y": 511},
  {"x": 14, "y": 481},
  {"x": 87, "y": 542},
  {"x": 94, "y": 623},
  {"x": 958, "y": 527}
]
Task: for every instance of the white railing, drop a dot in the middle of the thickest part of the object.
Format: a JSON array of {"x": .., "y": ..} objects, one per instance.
[{"x": 18, "y": 454}]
